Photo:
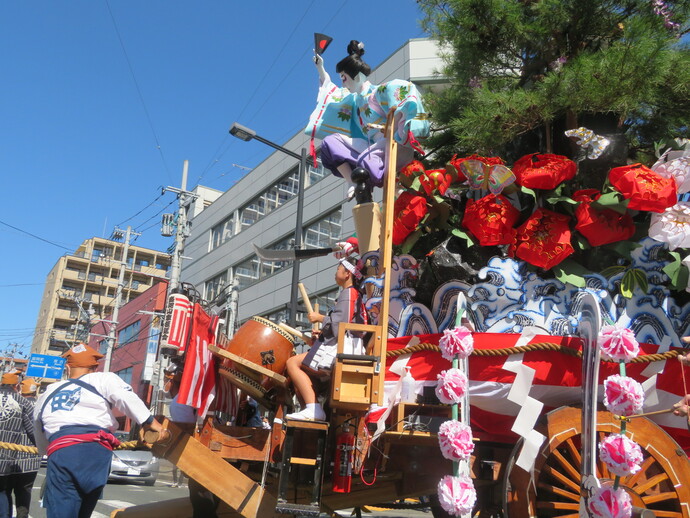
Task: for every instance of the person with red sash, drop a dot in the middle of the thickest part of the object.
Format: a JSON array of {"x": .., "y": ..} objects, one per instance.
[
  {"x": 318, "y": 361},
  {"x": 73, "y": 422}
]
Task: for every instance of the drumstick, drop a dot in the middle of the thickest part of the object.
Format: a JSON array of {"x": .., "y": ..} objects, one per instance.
[
  {"x": 295, "y": 332},
  {"x": 317, "y": 325},
  {"x": 305, "y": 297},
  {"x": 657, "y": 412}
]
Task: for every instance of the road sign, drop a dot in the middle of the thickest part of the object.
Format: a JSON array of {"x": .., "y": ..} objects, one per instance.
[{"x": 45, "y": 366}]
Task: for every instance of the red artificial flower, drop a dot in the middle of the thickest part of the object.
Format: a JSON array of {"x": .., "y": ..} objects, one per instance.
[
  {"x": 435, "y": 180},
  {"x": 600, "y": 226},
  {"x": 543, "y": 240},
  {"x": 409, "y": 210},
  {"x": 645, "y": 189},
  {"x": 543, "y": 170},
  {"x": 407, "y": 174},
  {"x": 491, "y": 220},
  {"x": 453, "y": 167}
]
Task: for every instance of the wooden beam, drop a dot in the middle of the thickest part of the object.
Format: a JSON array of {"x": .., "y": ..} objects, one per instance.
[
  {"x": 277, "y": 378},
  {"x": 232, "y": 486}
]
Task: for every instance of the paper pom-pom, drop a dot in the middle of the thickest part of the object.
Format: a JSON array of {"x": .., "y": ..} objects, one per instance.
[
  {"x": 622, "y": 456},
  {"x": 605, "y": 502},
  {"x": 457, "y": 494},
  {"x": 451, "y": 387},
  {"x": 456, "y": 341},
  {"x": 455, "y": 440},
  {"x": 617, "y": 344},
  {"x": 623, "y": 395}
]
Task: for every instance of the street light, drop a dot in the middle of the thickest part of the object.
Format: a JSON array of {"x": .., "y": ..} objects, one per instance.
[{"x": 246, "y": 134}]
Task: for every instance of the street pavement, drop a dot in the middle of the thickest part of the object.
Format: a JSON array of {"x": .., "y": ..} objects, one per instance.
[{"x": 121, "y": 495}]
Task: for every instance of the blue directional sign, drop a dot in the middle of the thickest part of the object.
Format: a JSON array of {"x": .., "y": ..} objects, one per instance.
[{"x": 45, "y": 366}]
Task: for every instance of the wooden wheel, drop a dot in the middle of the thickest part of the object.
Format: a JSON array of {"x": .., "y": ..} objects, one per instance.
[{"x": 661, "y": 485}]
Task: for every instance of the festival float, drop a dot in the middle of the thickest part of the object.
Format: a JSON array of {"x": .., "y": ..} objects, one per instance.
[{"x": 522, "y": 354}]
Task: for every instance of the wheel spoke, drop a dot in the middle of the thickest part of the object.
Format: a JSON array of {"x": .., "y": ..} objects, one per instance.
[
  {"x": 575, "y": 486},
  {"x": 661, "y": 497},
  {"x": 567, "y": 466},
  {"x": 558, "y": 506},
  {"x": 575, "y": 497},
  {"x": 646, "y": 464},
  {"x": 574, "y": 454},
  {"x": 649, "y": 483}
]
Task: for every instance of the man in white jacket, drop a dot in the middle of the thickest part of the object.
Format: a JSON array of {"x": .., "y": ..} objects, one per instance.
[{"x": 73, "y": 426}]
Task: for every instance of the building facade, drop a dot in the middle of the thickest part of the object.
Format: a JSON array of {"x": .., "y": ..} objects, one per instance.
[
  {"x": 261, "y": 209},
  {"x": 136, "y": 339},
  {"x": 81, "y": 289}
]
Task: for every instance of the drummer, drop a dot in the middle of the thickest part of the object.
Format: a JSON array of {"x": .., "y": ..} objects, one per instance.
[{"x": 318, "y": 361}]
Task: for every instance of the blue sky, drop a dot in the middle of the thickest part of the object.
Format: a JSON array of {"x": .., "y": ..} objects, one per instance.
[{"x": 103, "y": 100}]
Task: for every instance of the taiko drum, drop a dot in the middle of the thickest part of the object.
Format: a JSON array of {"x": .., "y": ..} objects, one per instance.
[{"x": 262, "y": 342}]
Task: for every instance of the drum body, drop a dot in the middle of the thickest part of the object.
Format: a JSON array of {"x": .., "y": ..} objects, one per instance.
[{"x": 262, "y": 342}]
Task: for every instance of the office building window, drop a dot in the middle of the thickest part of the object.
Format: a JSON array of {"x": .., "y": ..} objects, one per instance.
[
  {"x": 324, "y": 232},
  {"x": 215, "y": 285},
  {"x": 271, "y": 199},
  {"x": 125, "y": 375},
  {"x": 222, "y": 232},
  {"x": 247, "y": 272},
  {"x": 314, "y": 174},
  {"x": 128, "y": 334},
  {"x": 271, "y": 267},
  {"x": 326, "y": 300}
]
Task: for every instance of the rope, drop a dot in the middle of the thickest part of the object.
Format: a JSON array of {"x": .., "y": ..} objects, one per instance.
[
  {"x": 129, "y": 445},
  {"x": 539, "y": 346}
]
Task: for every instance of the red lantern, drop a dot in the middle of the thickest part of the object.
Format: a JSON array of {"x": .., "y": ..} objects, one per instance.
[
  {"x": 409, "y": 211},
  {"x": 543, "y": 170},
  {"x": 491, "y": 220},
  {"x": 645, "y": 189},
  {"x": 601, "y": 226},
  {"x": 435, "y": 182},
  {"x": 543, "y": 240}
]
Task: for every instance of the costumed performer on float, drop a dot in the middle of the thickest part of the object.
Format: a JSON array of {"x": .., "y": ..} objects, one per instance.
[
  {"x": 350, "y": 120},
  {"x": 318, "y": 361}
]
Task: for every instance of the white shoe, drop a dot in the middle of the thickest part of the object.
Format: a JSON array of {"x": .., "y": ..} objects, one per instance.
[{"x": 308, "y": 415}]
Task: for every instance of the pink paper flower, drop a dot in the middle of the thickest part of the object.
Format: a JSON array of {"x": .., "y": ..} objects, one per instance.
[
  {"x": 617, "y": 344},
  {"x": 623, "y": 395},
  {"x": 622, "y": 456},
  {"x": 605, "y": 502},
  {"x": 455, "y": 440},
  {"x": 457, "y": 494},
  {"x": 456, "y": 341},
  {"x": 451, "y": 387}
]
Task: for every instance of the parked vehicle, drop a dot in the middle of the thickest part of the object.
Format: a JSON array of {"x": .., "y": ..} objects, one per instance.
[{"x": 133, "y": 465}]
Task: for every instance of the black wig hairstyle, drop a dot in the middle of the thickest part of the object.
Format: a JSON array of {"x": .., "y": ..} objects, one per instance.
[{"x": 353, "y": 64}]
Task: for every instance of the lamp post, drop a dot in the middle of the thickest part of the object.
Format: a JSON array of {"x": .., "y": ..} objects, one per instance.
[{"x": 246, "y": 134}]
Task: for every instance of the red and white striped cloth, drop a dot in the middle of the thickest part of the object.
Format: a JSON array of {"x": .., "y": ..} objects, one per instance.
[
  {"x": 179, "y": 322},
  {"x": 557, "y": 382},
  {"x": 197, "y": 387}
]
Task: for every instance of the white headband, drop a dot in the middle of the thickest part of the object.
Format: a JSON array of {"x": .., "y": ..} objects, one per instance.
[{"x": 351, "y": 268}]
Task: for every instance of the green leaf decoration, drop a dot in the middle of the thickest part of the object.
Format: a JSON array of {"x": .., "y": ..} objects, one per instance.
[
  {"x": 611, "y": 200},
  {"x": 612, "y": 270},
  {"x": 628, "y": 284},
  {"x": 410, "y": 241},
  {"x": 570, "y": 272},
  {"x": 565, "y": 199},
  {"x": 463, "y": 235},
  {"x": 673, "y": 269},
  {"x": 529, "y": 191},
  {"x": 624, "y": 248},
  {"x": 641, "y": 278}
]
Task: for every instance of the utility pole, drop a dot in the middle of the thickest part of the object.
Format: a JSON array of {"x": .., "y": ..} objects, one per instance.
[
  {"x": 118, "y": 297},
  {"x": 181, "y": 233}
]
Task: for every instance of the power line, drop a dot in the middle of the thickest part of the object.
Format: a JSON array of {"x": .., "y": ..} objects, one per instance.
[
  {"x": 160, "y": 195},
  {"x": 141, "y": 96},
  {"x": 35, "y": 236}
]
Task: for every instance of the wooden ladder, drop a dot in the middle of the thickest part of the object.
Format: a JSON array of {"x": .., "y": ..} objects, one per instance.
[{"x": 303, "y": 429}]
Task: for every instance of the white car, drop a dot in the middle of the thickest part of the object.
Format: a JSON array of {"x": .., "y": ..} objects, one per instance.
[{"x": 132, "y": 465}]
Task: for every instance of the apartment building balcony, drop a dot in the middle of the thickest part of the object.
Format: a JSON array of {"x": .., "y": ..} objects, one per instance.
[{"x": 67, "y": 315}]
